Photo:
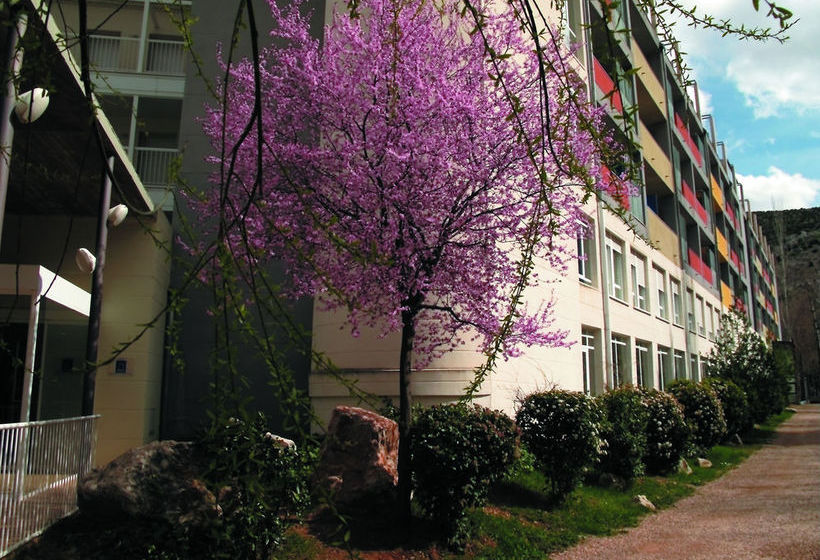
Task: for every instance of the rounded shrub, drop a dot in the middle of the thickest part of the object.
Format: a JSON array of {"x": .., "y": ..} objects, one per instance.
[
  {"x": 458, "y": 451},
  {"x": 667, "y": 433},
  {"x": 735, "y": 406},
  {"x": 702, "y": 411},
  {"x": 624, "y": 430},
  {"x": 562, "y": 431}
]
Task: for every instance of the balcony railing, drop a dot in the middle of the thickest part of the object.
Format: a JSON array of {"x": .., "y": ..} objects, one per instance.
[
  {"x": 153, "y": 164},
  {"x": 700, "y": 266},
  {"x": 615, "y": 186},
  {"x": 40, "y": 464},
  {"x": 121, "y": 54},
  {"x": 687, "y": 139},
  {"x": 690, "y": 197},
  {"x": 607, "y": 87},
  {"x": 722, "y": 244}
]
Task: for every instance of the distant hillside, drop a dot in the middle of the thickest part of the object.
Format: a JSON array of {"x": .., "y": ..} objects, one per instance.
[{"x": 794, "y": 237}]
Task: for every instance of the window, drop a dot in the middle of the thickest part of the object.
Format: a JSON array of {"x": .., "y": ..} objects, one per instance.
[
  {"x": 664, "y": 367},
  {"x": 573, "y": 13},
  {"x": 620, "y": 360},
  {"x": 615, "y": 266},
  {"x": 680, "y": 365},
  {"x": 710, "y": 321},
  {"x": 676, "y": 301},
  {"x": 700, "y": 316},
  {"x": 586, "y": 255},
  {"x": 693, "y": 366},
  {"x": 660, "y": 285},
  {"x": 587, "y": 359},
  {"x": 639, "y": 293},
  {"x": 690, "y": 310},
  {"x": 643, "y": 364}
]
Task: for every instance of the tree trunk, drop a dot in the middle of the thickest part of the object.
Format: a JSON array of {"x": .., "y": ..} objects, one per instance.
[{"x": 408, "y": 333}]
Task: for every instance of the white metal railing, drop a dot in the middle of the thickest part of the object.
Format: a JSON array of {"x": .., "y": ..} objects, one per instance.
[
  {"x": 122, "y": 54},
  {"x": 113, "y": 53},
  {"x": 153, "y": 164},
  {"x": 165, "y": 57},
  {"x": 40, "y": 464}
]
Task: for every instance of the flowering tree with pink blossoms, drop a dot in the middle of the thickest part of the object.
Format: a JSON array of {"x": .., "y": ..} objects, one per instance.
[{"x": 408, "y": 170}]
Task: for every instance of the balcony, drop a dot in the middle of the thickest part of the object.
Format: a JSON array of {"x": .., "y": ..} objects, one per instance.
[
  {"x": 663, "y": 237},
  {"x": 699, "y": 266},
  {"x": 722, "y": 245},
  {"x": 731, "y": 214},
  {"x": 654, "y": 155},
  {"x": 607, "y": 87},
  {"x": 717, "y": 194},
  {"x": 726, "y": 296},
  {"x": 687, "y": 139},
  {"x": 153, "y": 164},
  {"x": 121, "y": 54},
  {"x": 648, "y": 79},
  {"x": 690, "y": 197}
]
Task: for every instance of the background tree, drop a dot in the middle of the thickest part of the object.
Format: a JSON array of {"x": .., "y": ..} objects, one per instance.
[
  {"x": 741, "y": 355},
  {"x": 399, "y": 174}
]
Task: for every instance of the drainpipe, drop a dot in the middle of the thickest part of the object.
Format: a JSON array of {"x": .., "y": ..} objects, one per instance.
[{"x": 606, "y": 343}]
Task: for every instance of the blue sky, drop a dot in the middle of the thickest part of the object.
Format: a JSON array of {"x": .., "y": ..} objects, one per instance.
[{"x": 765, "y": 99}]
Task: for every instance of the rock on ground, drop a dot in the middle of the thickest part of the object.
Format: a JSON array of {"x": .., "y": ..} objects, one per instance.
[
  {"x": 358, "y": 461},
  {"x": 152, "y": 482}
]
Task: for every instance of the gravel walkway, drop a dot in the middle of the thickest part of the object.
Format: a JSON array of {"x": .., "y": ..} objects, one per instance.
[{"x": 767, "y": 508}]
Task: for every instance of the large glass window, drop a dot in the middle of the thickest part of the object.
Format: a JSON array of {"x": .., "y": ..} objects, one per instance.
[
  {"x": 699, "y": 310},
  {"x": 643, "y": 363},
  {"x": 665, "y": 374},
  {"x": 587, "y": 359},
  {"x": 690, "y": 310},
  {"x": 710, "y": 321},
  {"x": 680, "y": 365},
  {"x": 660, "y": 290},
  {"x": 615, "y": 266},
  {"x": 620, "y": 360},
  {"x": 574, "y": 16},
  {"x": 693, "y": 367},
  {"x": 677, "y": 308},
  {"x": 586, "y": 255},
  {"x": 640, "y": 296}
]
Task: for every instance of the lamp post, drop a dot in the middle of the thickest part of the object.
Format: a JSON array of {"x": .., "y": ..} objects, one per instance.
[
  {"x": 13, "y": 65},
  {"x": 95, "y": 309}
]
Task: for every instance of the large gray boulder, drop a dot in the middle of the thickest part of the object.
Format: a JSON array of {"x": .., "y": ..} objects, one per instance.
[
  {"x": 158, "y": 481},
  {"x": 358, "y": 461}
]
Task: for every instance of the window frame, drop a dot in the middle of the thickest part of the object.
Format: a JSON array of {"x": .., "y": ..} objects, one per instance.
[
  {"x": 638, "y": 268},
  {"x": 661, "y": 292},
  {"x": 615, "y": 248},
  {"x": 677, "y": 302}
]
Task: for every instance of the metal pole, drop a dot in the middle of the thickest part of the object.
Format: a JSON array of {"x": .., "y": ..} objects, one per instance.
[
  {"x": 14, "y": 63},
  {"x": 95, "y": 310}
]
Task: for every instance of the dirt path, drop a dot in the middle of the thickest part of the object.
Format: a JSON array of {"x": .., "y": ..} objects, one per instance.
[{"x": 767, "y": 508}]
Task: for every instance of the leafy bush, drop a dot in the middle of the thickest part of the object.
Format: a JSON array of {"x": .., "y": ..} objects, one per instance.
[
  {"x": 624, "y": 431},
  {"x": 703, "y": 413},
  {"x": 562, "y": 430},
  {"x": 458, "y": 451},
  {"x": 259, "y": 483},
  {"x": 667, "y": 433},
  {"x": 735, "y": 405}
]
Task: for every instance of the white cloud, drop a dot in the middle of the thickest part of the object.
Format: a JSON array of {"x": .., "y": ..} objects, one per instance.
[
  {"x": 780, "y": 190},
  {"x": 774, "y": 79}
]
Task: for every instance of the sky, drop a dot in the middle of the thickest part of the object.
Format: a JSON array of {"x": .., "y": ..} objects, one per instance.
[{"x": 765, "y": 100}]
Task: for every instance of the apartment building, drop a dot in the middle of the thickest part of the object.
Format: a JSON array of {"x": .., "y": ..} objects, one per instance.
[
  {"x": 642, "y": 307},
  {"x": 52, "y": 210},
  {"x": 646, "y": 302}
]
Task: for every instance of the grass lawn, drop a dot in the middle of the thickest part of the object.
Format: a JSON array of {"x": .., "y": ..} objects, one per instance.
[{"x": 519, "y": 521}]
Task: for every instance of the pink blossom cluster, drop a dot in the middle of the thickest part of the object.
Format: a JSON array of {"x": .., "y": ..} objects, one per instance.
[{"x": 399, "y": 177}]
